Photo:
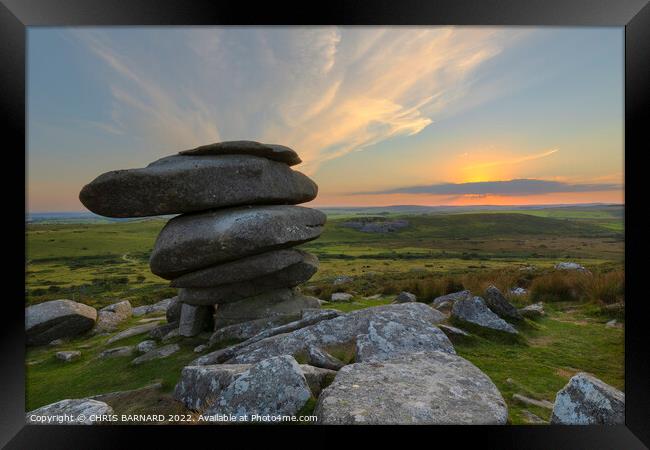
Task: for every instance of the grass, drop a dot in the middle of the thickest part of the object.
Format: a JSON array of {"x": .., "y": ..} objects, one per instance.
[
  {"x": 556, "y": 347},
  {"x": 101, "y": 263}
]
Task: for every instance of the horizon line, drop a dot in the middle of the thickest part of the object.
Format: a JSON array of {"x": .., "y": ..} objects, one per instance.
[{"x": 547, "y": 205}]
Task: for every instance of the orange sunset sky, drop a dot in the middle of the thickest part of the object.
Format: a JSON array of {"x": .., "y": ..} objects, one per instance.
[{"x": 379, "y": 115}]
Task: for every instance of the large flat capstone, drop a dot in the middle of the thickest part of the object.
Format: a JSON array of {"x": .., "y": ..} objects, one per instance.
[{"x": 182, "y": 184}]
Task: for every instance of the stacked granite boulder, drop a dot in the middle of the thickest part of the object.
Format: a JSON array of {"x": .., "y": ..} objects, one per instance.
[{"x": 231, "y": 244}]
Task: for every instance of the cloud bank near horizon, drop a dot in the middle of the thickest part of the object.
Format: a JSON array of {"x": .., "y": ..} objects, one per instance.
[
  {"x": 324, "y": 91},
  {"x": 512, "y": 188}
]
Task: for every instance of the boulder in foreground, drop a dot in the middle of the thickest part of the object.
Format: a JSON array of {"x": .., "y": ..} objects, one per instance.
[
  {"x": 499, "y": 305},
  {"x": 474, "y": 310},
  {"x": 274, "y": 386},
  {"x": 56, "y": 413},
  {"x": 434, "y": 388},
  {"x": 56, "y": 319},
  {"x": 586, "y": 400}
]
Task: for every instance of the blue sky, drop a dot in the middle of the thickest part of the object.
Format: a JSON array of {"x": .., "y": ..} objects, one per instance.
[{"x": 375, "y": 113}]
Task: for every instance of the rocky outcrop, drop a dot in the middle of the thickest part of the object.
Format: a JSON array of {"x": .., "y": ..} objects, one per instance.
[
  {"x": 499, "y": 305},
  {"x": 341, "y": 330},
  {"x": 475, "y": 311},
  {"x": 56, "y": 319},
  {"x": 83, "y": 411},
  {"x": 586, "y": 400},
  {"x": 274, "y": 386},
  {"x": 415, "y": 388}
]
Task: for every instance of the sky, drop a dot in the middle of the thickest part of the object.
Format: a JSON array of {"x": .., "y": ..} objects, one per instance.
[{"x": 379, "y": 115}]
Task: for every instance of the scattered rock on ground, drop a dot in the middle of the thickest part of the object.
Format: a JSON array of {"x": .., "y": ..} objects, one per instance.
[
  {"x": 405, "y": 297},
  {"x": 126, "y": 350},
  {"x": 532, "y": 419},
  {"x": 146, "y": 346},
  {"x": 586, "y": 400},
  {"x": 474, "y": 310},
  {"x": 342, "y": 279},
  {"x": 314, "y": 313},
  {"x": 415, "y": 388},
  {"x": 82, "y": 411},
  {"x": 273, "y": 386},
  {"x": 531, "y": 401},
  {"x": 56, "y": 319},
  {"x": 452, "y": 331},
  {"x": 109, "y": 317},
  {"x": 518, "y": 291},
  {"x": 450, "y": 298},
  {"x": 162, "y": 330},
  {"x": 68, "y": 356},
  {"x": 320, "y": 358},
  {"x": 157, "y": 353},
  {"x": 340, "y": 297},
  {"x": 571, "y": 266},
  {"x": 159, "y": 307},
  {"x": 133, "y": 331},
  {"x": 499, "y": 305},
  {"x": 533, "y": 311}
]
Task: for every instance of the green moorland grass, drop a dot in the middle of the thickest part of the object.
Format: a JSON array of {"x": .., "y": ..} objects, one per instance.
[{"x": 100, "y": 263}]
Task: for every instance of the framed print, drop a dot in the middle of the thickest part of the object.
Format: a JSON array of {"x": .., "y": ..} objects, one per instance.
[{"x": 345, "y": 220}]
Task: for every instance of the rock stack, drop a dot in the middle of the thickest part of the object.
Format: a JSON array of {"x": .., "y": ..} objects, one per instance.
[{"x": 231, "y": 244}]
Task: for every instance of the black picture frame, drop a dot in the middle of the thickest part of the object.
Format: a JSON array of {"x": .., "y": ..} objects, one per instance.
[{"x": 634, "y": 15}]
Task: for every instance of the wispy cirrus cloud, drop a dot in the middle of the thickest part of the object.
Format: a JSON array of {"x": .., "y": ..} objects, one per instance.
[
  {"x": 325, "y": 91},
  {"x": 520, "y": 187}
]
